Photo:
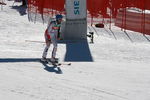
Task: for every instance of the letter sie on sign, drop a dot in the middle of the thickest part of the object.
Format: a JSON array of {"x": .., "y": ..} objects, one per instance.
[{"x": 76, "y": 7}]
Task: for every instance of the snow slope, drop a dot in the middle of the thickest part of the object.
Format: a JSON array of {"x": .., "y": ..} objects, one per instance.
[{"x": 119, "y": 68}]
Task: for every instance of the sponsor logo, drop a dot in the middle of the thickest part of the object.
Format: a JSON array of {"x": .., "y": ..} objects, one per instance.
[{"x": 76, "y": 7}]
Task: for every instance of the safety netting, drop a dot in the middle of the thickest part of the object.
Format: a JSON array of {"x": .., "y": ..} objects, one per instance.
[
  {"x": 43, "y": 10},
  {"x": 127, "y": 14}
]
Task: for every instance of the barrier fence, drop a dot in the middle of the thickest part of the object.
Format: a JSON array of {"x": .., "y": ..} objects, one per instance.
[{"x": 128, "y": 14}]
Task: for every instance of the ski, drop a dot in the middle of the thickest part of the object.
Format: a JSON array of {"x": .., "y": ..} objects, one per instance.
[{"x": 56, "y": 63}]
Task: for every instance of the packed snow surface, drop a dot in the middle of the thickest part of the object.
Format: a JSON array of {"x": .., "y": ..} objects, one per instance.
[{"x": 116, "y": 66}]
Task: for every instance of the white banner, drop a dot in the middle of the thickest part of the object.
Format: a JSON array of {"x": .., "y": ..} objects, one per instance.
[{"x": 76, "y": 9}]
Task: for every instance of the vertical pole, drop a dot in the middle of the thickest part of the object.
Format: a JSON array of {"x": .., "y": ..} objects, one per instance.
[
  {"x": 92, "y": 13},
  {"x": 143, "y": 18},
  {"x": 122, "y": 25},
  {"x": 144, "y": 21},
  {"x": 124, "y": 16},
  {"x": 52, "y": 8},
  {"x": 110, "y": 14}
]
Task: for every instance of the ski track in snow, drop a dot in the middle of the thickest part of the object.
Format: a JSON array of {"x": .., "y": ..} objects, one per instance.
[{"x": 120, "y": 70}]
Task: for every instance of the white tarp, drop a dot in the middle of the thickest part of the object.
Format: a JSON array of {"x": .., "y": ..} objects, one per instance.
[{"x": 76, "y": 9}]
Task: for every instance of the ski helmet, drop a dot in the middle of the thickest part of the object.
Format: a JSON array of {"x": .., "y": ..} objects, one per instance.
[{"x": 59, "y": 17}]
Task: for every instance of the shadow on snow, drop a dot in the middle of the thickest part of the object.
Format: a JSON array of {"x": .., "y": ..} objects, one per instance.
[
  {"x": 48, "y": 68},
  {"x": 78, "y": 52},
  {"x": 57, "y": 70},
  {"x": 15, "y": 60},
  {"x": 20, "y": 9}
]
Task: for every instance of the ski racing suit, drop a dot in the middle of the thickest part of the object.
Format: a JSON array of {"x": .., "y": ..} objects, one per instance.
[{"x": 51, "y": 38}]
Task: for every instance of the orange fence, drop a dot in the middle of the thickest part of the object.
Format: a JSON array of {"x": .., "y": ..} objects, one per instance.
[
  {"x": 135, "y": 21},
  {"x": 45, "y": 7},
  {"x": 102, "y": 9}
]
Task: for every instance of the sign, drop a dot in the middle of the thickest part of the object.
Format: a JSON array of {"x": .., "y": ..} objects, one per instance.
[{"x": 76, "y": 9}]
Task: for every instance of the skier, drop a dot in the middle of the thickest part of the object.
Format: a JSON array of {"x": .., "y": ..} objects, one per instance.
[{"x": 51, "y": 37}]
